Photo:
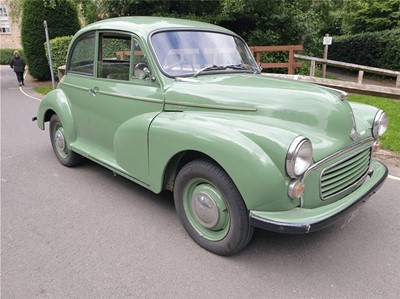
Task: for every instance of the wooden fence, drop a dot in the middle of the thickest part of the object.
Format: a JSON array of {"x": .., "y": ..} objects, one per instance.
[
  {"x": 290, "y": 65},
  {"x": 359, "y": 87},
  {"x": 351, "y": 66}
]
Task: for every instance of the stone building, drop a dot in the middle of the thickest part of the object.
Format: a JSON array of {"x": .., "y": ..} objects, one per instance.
[{"x": 10, "y": 31}]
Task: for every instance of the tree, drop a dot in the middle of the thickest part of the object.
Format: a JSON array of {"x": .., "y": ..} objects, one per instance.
[
  {"x": 371, "y": 15},
  {"x": 90, "y": 10},
  {"x": 62, "y": 20},
  {"x": 277, "y": 23},
  {"x": 204, "y": 10}
]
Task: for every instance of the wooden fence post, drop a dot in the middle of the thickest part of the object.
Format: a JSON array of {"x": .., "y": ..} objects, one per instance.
[
  {"x": 291, "y": 61},
  {"x": 360, "y": 77},
  {"x": 312, "y": 68}
]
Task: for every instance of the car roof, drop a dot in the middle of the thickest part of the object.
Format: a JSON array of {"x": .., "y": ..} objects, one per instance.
[{"x": 143, "y": 26}]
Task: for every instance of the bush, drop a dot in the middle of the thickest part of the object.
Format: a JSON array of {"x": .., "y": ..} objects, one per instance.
[
  {"x": 62, "y": 20},
  {"x": 376, "y": 49},
  {"x": 59, "y": 51},
  {"x": 6, "y": 54}
]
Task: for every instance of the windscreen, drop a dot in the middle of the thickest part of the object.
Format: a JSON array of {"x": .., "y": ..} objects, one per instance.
[{"x": 183, "y": 53}]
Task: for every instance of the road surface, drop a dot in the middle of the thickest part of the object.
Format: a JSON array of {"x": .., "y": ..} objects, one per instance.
[{"x": 83, "y": 233}]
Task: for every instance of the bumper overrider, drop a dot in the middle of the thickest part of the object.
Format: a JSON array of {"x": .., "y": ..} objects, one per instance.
[{"x": 302, "y": 221}]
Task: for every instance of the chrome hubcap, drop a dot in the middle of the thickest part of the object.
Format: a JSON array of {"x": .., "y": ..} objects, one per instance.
[
  {"x": 205, "y": 209},
  {"x": 60, "y": 140}
]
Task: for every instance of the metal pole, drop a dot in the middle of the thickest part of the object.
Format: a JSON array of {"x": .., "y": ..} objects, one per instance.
[{"x": 49, "y": 53}]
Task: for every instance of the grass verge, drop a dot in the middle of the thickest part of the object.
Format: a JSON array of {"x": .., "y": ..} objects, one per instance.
[
  {"x": 391, "y": 139},
  {"x": 43, "y": 89}
]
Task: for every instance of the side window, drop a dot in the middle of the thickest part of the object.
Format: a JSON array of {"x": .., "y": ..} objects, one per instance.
[
  {"x": 141, "y": 67},
  {"x": 82, "y": 57},
  {"x": 114, "y": 56}
]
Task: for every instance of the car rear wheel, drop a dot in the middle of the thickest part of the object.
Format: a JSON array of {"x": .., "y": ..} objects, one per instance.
[
  {"x": 59, "y": 144},
  {"x": 211, "y": 208}
]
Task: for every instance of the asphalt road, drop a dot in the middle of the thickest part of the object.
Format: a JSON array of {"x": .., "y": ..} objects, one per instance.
[{"x": 83, "y": 233}]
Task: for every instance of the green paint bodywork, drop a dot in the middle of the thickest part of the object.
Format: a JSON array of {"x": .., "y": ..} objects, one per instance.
[{"x": 245, "y": 122}]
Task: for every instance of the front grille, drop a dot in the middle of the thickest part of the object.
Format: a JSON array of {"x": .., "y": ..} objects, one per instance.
[{"x": 344, "y": 175}]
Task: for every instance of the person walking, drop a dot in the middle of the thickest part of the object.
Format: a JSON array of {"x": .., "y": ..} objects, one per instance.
[{"x": 18, "y": 64}]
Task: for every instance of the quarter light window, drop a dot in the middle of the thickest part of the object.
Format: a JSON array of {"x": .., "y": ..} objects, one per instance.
[{"x": 82, "y": 57}]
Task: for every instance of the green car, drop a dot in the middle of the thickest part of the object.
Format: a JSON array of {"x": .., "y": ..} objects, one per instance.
[{"x": 182, "y": 106}]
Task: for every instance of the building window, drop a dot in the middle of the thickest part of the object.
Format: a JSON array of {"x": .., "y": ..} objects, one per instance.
[
  {"x": 3, "y": 11},
  {"x": 5, "y": 27}
]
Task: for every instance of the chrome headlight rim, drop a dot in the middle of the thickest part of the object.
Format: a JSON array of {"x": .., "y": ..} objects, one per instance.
[
  {"x": 380, "y": 124},
  {"x": 293, "y": 154}
]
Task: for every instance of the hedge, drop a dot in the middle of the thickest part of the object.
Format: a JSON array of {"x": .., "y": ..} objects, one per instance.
[
  {"x": 6, "y": 54},
  {"x": 62, "y": 20},
  {"x": 377, "y": 49},
  {"x": 59, "y": 51}
]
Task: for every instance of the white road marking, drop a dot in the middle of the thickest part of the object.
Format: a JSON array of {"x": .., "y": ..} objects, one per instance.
[
  {"x": 23, "y": 92},
  {"x": 32, "y": 97},
  {"x": 393, "y": 177}
]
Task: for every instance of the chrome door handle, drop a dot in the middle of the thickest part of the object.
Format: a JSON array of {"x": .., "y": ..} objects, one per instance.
[{"x": 94, "y": 91}]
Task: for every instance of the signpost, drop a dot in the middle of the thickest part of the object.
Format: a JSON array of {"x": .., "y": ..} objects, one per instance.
[{"x": 326, "y": 42}]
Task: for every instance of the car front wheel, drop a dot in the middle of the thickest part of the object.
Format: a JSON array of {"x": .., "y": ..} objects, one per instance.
[
  {"x": 211, "y": 208},
  {"x": 59, "y": 144}
]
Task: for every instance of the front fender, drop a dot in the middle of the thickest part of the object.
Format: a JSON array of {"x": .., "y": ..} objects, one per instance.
[
  {"x": 262, "y": 183},
  {"x": 364, "y": 117},
  {"x": 57, "y": 102}
]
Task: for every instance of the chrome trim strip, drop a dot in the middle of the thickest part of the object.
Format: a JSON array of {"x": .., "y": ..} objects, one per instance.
[
  {"x": 222, "y": 107},
  {"x": 74, "y": 86},
  {"x": 143, "y": 99}
]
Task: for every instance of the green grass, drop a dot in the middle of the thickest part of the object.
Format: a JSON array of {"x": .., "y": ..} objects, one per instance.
[
  {"x": 391, "y": 139},
  {"x": 43, "y": 89}
]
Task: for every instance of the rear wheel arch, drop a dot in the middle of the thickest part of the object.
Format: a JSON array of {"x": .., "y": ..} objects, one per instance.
[
  {"x": 59, "y": 143},
  {"x": 48, "y": 114}
]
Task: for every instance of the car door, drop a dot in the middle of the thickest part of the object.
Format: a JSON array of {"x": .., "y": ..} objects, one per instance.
[
  {"x": 113, "y": 100},
  {"x": 76, "y": 84},
  {"x": 126, "y": 98}
]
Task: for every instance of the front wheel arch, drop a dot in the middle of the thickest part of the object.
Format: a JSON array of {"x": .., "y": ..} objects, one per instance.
[{"x": 178, "y": 161}]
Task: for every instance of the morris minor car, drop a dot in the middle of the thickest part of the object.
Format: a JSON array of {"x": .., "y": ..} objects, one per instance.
[{"x": 182, "y": 106}]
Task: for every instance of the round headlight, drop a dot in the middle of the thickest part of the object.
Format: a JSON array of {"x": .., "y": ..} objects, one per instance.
[
  {"x": 299, "y": 156},
  {"x": 380, "y": 124}
]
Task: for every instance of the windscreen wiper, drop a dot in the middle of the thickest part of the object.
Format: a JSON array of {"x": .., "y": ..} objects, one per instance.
[
  {"x": 209, "y": 68},
  {"x": 220, "y": 68}
]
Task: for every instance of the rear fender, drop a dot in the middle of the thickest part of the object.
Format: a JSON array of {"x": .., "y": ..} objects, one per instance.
[{"x": 56, "y": 102}]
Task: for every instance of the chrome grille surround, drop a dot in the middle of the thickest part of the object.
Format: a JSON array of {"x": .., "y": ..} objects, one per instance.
[
  {"x": 364, "y": 145},
  {"x": 345, "y": 174}
]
